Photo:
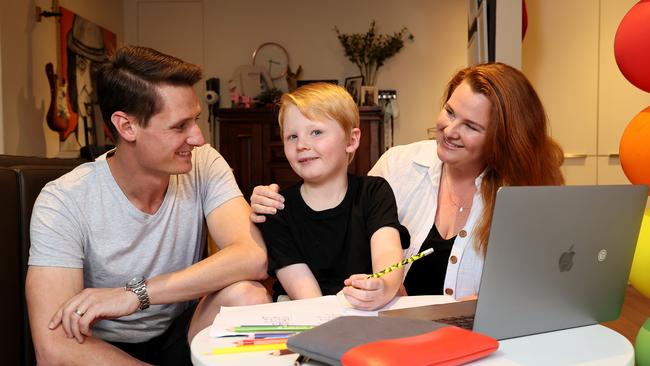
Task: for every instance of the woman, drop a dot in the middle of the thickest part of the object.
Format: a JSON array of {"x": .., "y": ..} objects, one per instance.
[{"x": 492, "y": 132}]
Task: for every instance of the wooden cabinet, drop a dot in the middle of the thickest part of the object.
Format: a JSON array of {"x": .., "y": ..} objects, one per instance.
[
  {"x": 569, "y": 57},
  {"x": 250, "y": 141}
]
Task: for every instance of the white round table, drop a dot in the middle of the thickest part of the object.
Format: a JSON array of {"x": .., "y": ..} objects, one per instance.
[{"x": 593, "y": 345}]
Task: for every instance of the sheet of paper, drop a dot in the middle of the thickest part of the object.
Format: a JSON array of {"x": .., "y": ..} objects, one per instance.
[
  {"x": 402, "y": 302},
  {"x": 298, "y": 312},
  {"x": 399, "y": 302},
  {"x": 314, "y": 311}
]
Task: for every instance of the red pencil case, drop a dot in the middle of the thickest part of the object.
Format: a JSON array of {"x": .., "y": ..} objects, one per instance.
[{"x": 445, "y": 346}]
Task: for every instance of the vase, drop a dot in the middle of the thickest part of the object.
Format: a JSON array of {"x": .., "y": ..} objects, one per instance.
[{"x": 369, "y": 73}]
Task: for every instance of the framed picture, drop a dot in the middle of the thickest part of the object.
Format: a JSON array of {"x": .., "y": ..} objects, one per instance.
[
  {"x": 369, "y": 95},
  {"x": 353, "y": 86}
]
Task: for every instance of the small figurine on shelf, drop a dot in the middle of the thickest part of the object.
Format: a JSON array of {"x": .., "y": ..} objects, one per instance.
[
  {"x": 246, "y": 101},
  {"x": 234, "y": 98},
  {"x": 293, "y": 77},
  {"x": 240, "y": 101}
]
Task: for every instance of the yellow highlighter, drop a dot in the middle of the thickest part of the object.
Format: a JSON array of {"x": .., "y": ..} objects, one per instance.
[{"x": 249, "y": 348}]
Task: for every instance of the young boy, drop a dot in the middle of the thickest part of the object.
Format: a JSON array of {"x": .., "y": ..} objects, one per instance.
[{"x": 335, "y": 228}]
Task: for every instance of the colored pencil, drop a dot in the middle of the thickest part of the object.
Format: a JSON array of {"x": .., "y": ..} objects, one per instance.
[
  {"x": 250, "y": 348},
  {"x": 246, "y": 342},
  {"x": 270, "y": 328},
  {"x": 401, "y": 264},
  {"x": 281, "y": 352},
  {"x": 272, "y": 335}
]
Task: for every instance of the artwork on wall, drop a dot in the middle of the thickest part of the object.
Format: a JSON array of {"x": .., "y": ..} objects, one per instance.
[
  {"x": 83, "y": 46},
  {"x": 477, "y": 37}
]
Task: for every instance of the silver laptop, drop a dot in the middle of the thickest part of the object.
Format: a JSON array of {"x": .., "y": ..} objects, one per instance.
[{"x": 558, "y": 257}]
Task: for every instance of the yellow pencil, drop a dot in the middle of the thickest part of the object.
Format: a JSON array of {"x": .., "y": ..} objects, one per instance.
[
  {"x": 406, "y": 261},
  {"x": 249, "y": 348}
]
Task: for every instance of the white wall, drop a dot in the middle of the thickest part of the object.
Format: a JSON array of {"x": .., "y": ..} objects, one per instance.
[
  {"x": 508, "y": 32},
  {"x": 27, "y": 46},
  {"x": 233, "y": 29}
]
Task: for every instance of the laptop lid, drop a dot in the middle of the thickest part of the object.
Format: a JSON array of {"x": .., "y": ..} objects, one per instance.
[{"x": 558, "y": 257}]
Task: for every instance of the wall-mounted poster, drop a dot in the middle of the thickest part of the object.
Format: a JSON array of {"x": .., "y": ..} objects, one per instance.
[{"x": 84, "y": 45}]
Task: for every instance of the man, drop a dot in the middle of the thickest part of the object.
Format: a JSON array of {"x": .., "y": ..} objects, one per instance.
[{"x": 115, "y": 244}]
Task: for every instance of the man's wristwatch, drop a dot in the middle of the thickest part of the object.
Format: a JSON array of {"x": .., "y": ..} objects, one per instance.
[{"x": 139, "y": 287}]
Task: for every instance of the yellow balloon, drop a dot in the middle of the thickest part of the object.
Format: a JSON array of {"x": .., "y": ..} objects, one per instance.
[{"x": 640, "y": 273}]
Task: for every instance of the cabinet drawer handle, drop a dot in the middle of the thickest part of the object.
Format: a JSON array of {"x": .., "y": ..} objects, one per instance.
[
  {"x": 574, "y": 156},
  {"x": 613, "y": 155}
]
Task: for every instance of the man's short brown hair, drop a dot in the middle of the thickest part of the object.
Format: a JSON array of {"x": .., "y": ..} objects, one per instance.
[{"x": 127, "y": 82}]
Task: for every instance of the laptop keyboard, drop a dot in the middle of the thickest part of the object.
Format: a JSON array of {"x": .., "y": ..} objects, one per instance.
[{"x": 465, "y": 321}]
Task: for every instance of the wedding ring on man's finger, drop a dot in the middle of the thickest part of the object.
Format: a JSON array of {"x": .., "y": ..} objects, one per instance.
[{"x": 79, "y": 312}]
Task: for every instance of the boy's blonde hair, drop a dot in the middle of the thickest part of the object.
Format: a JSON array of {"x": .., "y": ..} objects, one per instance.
[{"x": 318, "y": 101}]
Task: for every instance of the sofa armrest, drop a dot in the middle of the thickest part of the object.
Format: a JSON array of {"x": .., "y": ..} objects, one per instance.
[{"x": 19, "y": 188}]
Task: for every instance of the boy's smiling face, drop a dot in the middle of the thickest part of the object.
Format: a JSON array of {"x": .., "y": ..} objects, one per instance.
[{"x": 317, "y": 150}]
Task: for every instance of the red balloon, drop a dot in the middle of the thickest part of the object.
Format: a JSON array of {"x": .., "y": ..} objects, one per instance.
[
  {"x": 634, "y": 149},
  {"x": 632, "y": 45}
]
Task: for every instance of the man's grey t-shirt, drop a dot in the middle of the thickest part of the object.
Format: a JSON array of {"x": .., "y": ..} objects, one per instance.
[{"x": 84, "y": 220}]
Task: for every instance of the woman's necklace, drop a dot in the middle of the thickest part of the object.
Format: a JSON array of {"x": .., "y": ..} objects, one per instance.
[{"x": 450, "y": 193}]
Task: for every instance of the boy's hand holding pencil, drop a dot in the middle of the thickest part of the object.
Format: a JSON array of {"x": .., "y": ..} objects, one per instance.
[
  {"x": 370, "y": 292},
  {"x": 365, "y": 293}
]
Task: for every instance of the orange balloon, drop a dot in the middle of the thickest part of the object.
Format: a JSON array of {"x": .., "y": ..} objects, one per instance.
[{"x": 634, "y": 149}]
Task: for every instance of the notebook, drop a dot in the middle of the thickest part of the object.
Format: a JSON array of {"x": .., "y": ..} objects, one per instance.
[{"x": 558, "y": 257}]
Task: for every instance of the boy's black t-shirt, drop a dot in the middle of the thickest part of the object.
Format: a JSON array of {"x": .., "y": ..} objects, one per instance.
[{"x": 334, "y": 243}]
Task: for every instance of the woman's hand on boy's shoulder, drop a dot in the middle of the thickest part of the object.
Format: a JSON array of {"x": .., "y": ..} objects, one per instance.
[
  {"x": 365, "y": 293},
  {"x": 265, "y": 200}
]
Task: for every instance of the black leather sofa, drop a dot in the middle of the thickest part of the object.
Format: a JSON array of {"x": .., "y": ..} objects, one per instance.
[{"x": 21, "y": 180}]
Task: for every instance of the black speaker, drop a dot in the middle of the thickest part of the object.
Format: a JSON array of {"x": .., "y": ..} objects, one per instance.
[{"x": 212, "y": 93}]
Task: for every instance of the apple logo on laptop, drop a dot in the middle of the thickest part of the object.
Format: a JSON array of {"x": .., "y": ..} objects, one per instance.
[{"x": 566, "y": 260}]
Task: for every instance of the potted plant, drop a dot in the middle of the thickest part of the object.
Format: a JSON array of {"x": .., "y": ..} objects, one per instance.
[{"x": 369, "y": 51}]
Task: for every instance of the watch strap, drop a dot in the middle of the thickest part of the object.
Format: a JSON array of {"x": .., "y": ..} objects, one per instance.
[{"x": 140, "y": 290}]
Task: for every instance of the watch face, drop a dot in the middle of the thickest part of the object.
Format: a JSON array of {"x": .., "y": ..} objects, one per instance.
[
  {"x": 134, "y": 281},
  {"x": 273, "y": 57}
]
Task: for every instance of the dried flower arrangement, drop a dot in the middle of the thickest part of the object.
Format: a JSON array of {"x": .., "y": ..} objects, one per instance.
[{"x": 369, "y": 51}]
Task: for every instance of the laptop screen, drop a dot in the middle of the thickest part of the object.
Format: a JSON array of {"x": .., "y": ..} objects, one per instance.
[{"x": 558, "y": 257}]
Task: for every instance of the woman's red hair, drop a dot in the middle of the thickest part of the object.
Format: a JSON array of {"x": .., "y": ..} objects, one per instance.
[{"x": 518, "y": 149}]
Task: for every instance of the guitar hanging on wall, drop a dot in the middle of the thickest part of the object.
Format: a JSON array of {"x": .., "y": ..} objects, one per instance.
[{"x": 61, "y": 117}]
